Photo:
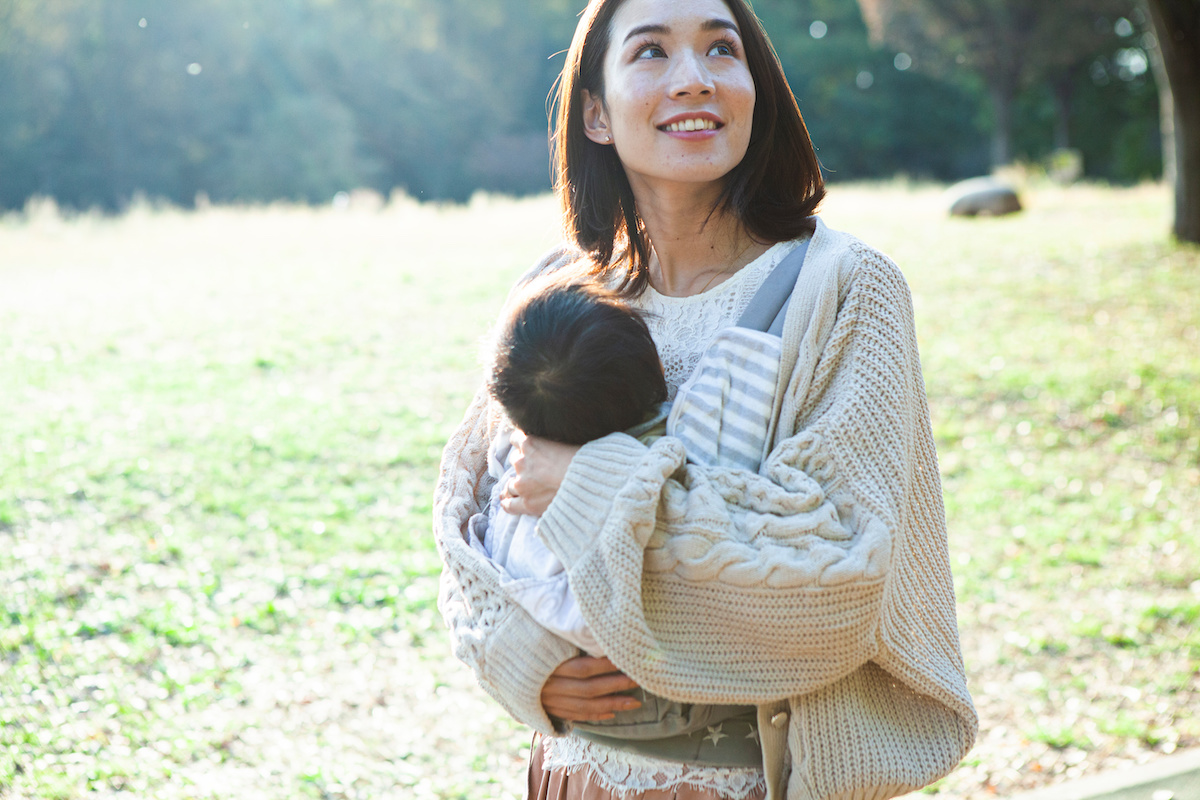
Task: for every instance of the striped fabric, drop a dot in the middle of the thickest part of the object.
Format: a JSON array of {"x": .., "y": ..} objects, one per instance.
[{"x": 722, "y": 412}]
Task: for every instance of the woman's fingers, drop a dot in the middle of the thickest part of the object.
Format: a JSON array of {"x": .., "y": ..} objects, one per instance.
[
  {"x": 587, "y": 688},
  {"x": 576, "y": 708}
]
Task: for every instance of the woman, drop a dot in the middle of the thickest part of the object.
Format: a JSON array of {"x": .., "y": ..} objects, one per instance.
[{"x": 818, "y": 591}]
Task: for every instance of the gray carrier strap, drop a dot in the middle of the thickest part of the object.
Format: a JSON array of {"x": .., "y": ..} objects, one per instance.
[
  {"x": 769, "y": 305},
  {"x": 731, "y": 741}
]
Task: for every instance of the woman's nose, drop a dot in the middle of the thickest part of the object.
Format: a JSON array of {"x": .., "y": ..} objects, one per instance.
[{"x": 690, "y": 76}]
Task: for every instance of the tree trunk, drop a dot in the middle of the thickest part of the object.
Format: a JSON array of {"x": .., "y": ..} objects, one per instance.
[
  {"x": 1166, "y": 115},
  {"x": 1063, "y": 90},
  {"x": 1177, "y": 27},
  {"x": 1002, "y": 100}
]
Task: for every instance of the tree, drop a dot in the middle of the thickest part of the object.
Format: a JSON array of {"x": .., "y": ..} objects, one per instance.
[
  {"x": 1066, "y": 40},
  {"x": 240, "y": 100},
  {"x": 869, "y": 114},
  {"x": 1008, "y": 43},
  {"x": 1177, "y": 61}
]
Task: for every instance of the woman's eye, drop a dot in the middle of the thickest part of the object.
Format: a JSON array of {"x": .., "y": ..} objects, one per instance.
[
  {"x": 650, "y": 51},
  {"x": 721, "y": 49}
]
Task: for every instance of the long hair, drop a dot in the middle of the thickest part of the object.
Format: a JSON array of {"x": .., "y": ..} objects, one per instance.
[
  {"x": 772, "y": 191},
  {"x": 574, "y": 362}
]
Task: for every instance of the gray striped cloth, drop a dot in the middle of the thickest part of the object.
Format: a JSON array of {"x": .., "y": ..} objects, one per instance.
[{"x": 722, "y": 412}]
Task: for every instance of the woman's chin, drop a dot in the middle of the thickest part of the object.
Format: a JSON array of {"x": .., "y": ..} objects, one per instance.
[{"x": 699, "y": 179}]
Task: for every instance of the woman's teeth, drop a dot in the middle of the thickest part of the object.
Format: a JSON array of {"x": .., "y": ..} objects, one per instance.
[{"x": 691, "y": 125}]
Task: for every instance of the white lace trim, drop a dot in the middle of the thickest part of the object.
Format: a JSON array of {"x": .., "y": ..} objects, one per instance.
[
  {"x": 683, "y": 327},
  {"x": 622, "y": 772}
]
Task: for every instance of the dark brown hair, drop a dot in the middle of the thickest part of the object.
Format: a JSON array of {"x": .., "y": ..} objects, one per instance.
[
  {"x": 574, "y": 362},
  {"x": 772, "y": 191}
]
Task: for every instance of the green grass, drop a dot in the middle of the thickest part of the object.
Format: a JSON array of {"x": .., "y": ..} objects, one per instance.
[
  {"x": 216, "y": 461},
  {"x": 221, "y": 430}
]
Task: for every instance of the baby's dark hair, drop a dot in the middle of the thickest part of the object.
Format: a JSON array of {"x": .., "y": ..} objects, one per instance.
[{"x": 574, "y": 362}]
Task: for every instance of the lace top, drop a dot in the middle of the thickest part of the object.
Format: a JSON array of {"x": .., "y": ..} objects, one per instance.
[{"x": 682, "y": 328}]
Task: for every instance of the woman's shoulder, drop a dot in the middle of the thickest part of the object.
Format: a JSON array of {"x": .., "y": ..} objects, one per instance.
[
  {"x": 847, "y": 249},
  {"x": 848, "y": 259},
  {"x": 552, "y": 260}
]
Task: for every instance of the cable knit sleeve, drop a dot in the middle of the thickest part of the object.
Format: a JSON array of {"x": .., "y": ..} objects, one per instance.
[{"x": 717, "y": 585}]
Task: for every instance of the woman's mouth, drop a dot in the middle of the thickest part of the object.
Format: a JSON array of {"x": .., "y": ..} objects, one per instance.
[{"x": 690, "y": 124}]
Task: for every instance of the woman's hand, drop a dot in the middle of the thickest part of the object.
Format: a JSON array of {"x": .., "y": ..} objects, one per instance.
[
  {"x": 540, "y": 466},
  {"x": 585, "y": 689}
]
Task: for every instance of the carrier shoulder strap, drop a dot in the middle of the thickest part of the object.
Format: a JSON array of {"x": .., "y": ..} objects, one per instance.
[{"x": 769, "y": 305}]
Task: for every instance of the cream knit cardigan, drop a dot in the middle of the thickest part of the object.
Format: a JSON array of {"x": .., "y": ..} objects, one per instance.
[{"x": 818, "y": 589}]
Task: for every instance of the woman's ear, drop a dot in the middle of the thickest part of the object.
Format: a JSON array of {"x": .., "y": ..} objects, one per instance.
[{"x": 595, "y": 118}]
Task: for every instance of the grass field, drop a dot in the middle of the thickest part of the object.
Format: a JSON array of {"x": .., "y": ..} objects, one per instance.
[{"x": 219, "y": 432}]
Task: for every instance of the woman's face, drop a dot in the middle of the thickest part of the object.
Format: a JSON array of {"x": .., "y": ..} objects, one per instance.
[{"x": 678, "y": 96}]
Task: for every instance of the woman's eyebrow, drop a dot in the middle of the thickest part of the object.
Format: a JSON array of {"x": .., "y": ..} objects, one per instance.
[
  {"x": 717, "y": 24},
  {"x": 642, "y": 29},
  {"x": 714, "y": 24}
]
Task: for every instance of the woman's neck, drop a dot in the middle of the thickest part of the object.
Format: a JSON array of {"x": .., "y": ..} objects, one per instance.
[{"x": 694, "y": 248}]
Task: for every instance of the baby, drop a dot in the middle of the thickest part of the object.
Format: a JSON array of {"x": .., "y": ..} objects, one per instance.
[{"x": 574, "y": 363}]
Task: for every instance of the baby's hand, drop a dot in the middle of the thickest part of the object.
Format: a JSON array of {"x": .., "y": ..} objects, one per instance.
[{"x": 539, "y": 466}]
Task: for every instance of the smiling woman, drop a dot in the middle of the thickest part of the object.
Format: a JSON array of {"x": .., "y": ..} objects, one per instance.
[
  {"x": 802, "y": 610},
  {"x": 650, "y": 66},
  {"x": 686, "y": 77}
]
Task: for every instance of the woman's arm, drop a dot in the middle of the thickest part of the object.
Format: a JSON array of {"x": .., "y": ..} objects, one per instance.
[{"x": 722, "y": 586}]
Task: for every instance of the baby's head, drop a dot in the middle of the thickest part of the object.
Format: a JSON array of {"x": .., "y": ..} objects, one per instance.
[{"x": 574, "y": 362}]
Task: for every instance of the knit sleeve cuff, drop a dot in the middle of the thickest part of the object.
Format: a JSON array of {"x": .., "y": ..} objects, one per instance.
[
  {"x": 522, "y": 657},
  {"x": 572, "y": 523}
]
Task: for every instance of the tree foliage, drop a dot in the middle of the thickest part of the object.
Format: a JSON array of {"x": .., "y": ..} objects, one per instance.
[
  {"x": 1010, "y": 44},
  {"x": 299, "y": 99}
]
